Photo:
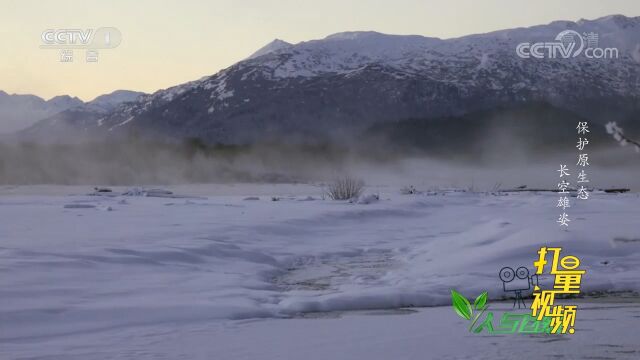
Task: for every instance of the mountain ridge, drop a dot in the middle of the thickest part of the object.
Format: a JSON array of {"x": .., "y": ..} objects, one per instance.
[
  {"x": 350, "y": 81},
  {"x": 20, "y": 111}
]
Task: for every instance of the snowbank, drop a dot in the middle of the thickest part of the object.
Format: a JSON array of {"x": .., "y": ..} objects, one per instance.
[{"x": 222, "y": 258}]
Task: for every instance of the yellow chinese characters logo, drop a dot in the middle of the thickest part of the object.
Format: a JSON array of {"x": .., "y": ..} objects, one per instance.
[{"x": 567, "y": 281}]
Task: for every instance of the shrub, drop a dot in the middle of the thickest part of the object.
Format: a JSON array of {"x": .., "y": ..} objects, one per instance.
[{"x": 345, "y": 188}]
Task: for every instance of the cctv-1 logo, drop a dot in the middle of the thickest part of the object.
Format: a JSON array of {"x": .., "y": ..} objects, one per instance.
[{"x": 100, "y": 38}]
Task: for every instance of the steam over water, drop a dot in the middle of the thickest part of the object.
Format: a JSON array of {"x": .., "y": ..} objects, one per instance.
[{"x": 498, "y": 165}]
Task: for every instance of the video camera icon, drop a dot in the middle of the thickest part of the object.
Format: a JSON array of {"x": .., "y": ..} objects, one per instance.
[{"x": 517, "y": 281}]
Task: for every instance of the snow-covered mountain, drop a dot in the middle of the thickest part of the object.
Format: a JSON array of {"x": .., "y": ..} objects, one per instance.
[
  {"x": 110, "y": 101},
  {"x": 275, "y": 45},
  {"x": 21, "y": 111},
  {"x": 350, "y": 81},
  {"x": 57, "y": 119}
]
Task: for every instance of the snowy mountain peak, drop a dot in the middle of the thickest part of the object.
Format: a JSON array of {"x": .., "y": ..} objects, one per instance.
[
  {"x": 62, "y": 102},
  {"x": 111, "y": 100},
  {"x": 64, "y": 99},
  {"x": 117, "y": 96},
  {"x": 275, "y": 45},
  {"x": 354, "y": 35}
]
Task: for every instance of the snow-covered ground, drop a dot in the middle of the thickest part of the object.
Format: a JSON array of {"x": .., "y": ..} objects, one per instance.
[{"x": 232, "y": 277}]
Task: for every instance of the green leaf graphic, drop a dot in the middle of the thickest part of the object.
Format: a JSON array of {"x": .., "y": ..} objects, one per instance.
[
  {"x": 481, "y": 300},
  {"x": 461, "y": 305}
]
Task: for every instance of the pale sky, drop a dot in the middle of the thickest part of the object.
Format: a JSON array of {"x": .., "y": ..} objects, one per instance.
[{"x": 165, "y": 43}]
